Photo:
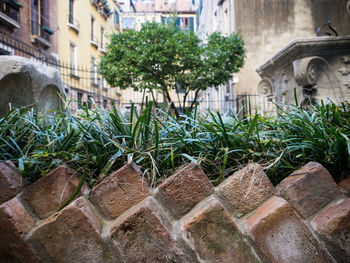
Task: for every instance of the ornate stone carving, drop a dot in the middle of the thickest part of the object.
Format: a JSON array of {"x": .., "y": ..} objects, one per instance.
[
  {"x": 307, "y": 70},
  {"x": 265, "y": 87},
  {"x": 317, "y": 68}
]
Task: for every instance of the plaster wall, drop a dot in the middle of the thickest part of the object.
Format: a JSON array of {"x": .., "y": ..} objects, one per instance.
[
  {"x": 267, "y": 26},
  {"x": 83, "y": 12}
]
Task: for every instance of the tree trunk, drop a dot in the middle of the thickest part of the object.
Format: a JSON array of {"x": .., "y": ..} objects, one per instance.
[
  {"x": 172, "y": 105},
  {"x": 195, "y": 99}
]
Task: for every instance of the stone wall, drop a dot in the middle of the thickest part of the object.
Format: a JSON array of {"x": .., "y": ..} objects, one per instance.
[
  {"x": 26, "y": 83},
  {"x": 269, "y": 25},
  {"x": 306, "y": 218}
]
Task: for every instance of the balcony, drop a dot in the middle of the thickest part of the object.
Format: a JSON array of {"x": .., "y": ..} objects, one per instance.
[
  {"x": 94, "y": 2},
  {"x": 41, "y": 34},
  {"x": 103, "y": 9},
  {"x": 73, "y": 24},
  {"x": 9, "y": 13},
  {"x": 105, "y": 12}
]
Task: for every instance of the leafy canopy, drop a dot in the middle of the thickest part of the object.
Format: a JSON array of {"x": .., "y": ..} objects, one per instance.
[{"x": 161, "y": 55}]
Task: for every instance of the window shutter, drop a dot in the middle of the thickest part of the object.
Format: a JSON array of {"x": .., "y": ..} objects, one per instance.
[
  {"x": 177, "y": 22},
  {"x": 192, "y": 24},
  {"x": 116, "y": 17}
]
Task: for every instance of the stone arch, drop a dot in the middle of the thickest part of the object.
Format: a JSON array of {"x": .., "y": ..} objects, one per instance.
[
  {"x": 50, "y": 99},
  {"x": 15, "y": 89}
]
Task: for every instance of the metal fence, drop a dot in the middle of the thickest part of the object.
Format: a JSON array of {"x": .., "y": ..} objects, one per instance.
[{"x": 82, "y": 83}]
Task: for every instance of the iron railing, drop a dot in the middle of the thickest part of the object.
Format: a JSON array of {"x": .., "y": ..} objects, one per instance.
[{"x": 76, "y": 79}]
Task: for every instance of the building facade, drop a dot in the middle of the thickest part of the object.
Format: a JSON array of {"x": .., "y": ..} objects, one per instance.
[
  {"x": 267, "y": 26},
  {"x": 33, "y": 23},
  {"x": 83, "y": 29}
]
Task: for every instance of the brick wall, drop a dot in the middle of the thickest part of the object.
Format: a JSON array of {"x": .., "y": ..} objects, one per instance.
[{"x": 306, "y": 218}]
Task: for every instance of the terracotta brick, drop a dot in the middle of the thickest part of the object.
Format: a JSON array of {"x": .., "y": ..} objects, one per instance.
[
  {"x": 245, "y": 190},
  {"x": 309, "y": 189},
  {"x": 213, "y": 234},
  {"x": 51, "y": 191},
  {"x": 142, "y": 235},
  {"x": 281, "y": 235},
  {"x": 119, "y": 191},
  {"x": 184, "y": 189},
  {"x": 333, "y": 225},
  {"x": 71, "y": 235},
  {"x": 10, "y": 181},
  {"x": 15, "y": 222}
]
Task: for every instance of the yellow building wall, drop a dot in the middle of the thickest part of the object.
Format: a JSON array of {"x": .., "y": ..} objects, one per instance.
[{"x": 77, "y": 31}]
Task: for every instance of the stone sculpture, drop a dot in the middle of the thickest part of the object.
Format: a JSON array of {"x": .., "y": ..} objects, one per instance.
[{"x": 24, "y": 83}]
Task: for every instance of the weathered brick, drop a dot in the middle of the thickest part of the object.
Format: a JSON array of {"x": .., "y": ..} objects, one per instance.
[
  {"x": 333, "y": 225},
  {"x": 281, "y": 235},
  {"x": 71, "y": 235},
  {"x": 245, "y": 190},
  {"x": 51, "y": 191},
  {"x": 15, "y": 222},
  {"x": 184, "y": 189},
  {"x": 142, "y": 235},
  {"x": 309, "y": 189},
  {"x": 119, "y": 191},
  {"x": 10, "y": 181},
  {"x": 213, "y": 234}
]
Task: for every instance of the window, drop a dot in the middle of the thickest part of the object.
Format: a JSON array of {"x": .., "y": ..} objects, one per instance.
[
  {"x": 72, "y": 21},
  {"x": 11, "y": 10},
  {"x": 116, "y": 18},
  {"x": 40, "y": 20},
  {"x": 89, "y": 102},
  {"x": 71, "y": 11},
  {"x": 92, "y": 30},
  {"x": 102, "y": 38},
  {"x": 105, "y": 103},
  {"x": 128, "y": 22},
  {"x": 73, "y": 58},
  {"x": 186, "y": 23},
  {"x": 104, "y": 83},
  {"x": 80, "y": 99},
  {"x": 93, "y": 71}
]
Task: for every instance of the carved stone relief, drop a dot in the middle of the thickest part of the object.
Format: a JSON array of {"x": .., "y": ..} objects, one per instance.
[{"x": 318, "y": 68}]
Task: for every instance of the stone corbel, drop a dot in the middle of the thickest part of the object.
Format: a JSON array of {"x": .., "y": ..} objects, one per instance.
[
  {"x": 265, "y": 87},
  {"x": 306, "y": 70}
]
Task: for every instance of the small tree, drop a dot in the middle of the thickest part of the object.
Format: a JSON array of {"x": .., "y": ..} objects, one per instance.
[{"x": 161, "y": 56}]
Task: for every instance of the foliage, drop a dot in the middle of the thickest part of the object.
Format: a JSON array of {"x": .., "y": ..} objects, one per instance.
[
  {"x": 98, "y": 141},
  {"x": 161, "y": 56}
]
